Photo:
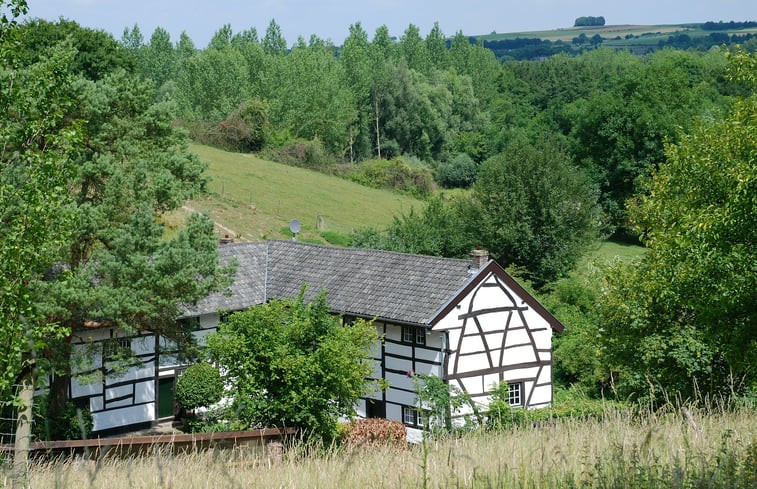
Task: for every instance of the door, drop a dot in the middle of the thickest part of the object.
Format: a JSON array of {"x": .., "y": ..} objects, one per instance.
[{"x": 166, "y": 397}]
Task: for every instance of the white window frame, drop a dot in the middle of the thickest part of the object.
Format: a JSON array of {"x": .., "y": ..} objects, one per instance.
[
  {"x": 413, "y": 336},
  {"x": 515, "y": 394},
  {"x": 420, "y": 337},
  {"x": 409, "y": 415}
]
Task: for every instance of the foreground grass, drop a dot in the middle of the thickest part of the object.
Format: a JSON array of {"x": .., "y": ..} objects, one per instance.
[
  {"x": 258, "y": 198},
  {"x": 658, "y": 450}
]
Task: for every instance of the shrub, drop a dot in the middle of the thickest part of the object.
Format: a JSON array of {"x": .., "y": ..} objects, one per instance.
[
  {"x": 199, "y": 386},
  {"x": 71, "y": 423},
  {"x": 395, "y": 174},
  {"x": 303, "y": 153},
  {"x": 459, "y": 172},
  {"x": 374, "y": 432},
  {"x": 245, "y": 129},
  {"x": 338, "y": 239}
]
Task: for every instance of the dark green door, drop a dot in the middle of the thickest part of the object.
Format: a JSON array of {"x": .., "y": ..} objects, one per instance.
[{"x": 165, "y": 397}]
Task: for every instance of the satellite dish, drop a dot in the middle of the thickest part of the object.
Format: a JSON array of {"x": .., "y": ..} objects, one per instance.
[{"x": 294, "y": 226}]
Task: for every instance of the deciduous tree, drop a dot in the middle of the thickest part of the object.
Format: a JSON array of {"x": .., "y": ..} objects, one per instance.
[{"x": 292, "y": 364}]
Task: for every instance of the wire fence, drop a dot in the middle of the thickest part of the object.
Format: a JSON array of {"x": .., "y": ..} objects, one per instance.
[{"x": 8, "y": 421}]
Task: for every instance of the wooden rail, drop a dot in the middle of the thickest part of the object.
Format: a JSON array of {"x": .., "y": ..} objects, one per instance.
[{"x": 132, "y": 442}]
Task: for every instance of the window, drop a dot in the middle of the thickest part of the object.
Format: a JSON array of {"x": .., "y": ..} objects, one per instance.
[
  {"x": 116, "y": 347},
  {"x": 515, "y": 394},
  {"x": 410, "y": 416},
  {"x": 413, "y": 417},
  {"x": 190, "y": 324},
  {"x": 415, "y": 336}
]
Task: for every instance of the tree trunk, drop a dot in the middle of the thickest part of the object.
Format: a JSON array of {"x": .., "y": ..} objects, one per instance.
[
  {"x": 61, "y": 379},
  {"x": 23, "y": 429},
  {"x": 378, "y": 134}
]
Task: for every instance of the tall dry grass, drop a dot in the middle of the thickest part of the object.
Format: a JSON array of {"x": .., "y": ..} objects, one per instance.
[{"x": 663, "y": 449}]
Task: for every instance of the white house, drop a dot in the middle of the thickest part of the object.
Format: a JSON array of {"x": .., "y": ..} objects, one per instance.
[{"x": 466, "y": 321}]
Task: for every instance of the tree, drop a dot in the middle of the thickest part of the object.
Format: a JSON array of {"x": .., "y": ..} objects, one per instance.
[
  {"x": 273, "y": 42},
  {"x": 38, "y": 139},
  {"x": 436, "y": 46},
  {"x": 682, "y": 318},
  {"x": 535, "y": 208},
  {"x": 311, "y": 100},
  {"x": 212, "y": 83},
  {"x": 289, "y": 363},
  {"x": 413, "y": 50},
  {"x": 159, "y": 58}
]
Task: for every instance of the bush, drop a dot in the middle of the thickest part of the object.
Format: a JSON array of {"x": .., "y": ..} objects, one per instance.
[
  {"x": 374, "y": 432},
  {"x": 395, "y": 174},
  {"x": 303, "y": 153},
  {"x": 199, "y": 386},
  {"x": 459, "y": 172},
  {"x": 71, "y": 424},
  {"x": 245, "y": 129}
]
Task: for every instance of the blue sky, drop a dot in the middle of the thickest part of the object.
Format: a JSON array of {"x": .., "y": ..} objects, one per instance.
[{"x": 330, "y": 19}]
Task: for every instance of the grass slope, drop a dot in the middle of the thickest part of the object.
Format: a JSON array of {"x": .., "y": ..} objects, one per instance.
[{"x": 257, "y": 199}]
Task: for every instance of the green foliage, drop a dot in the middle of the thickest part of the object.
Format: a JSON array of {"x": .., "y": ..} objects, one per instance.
[
  {"x": 499, "y": 414},
  {"x": 440, "y": 402},
  {"x": 577, "y": 353},
  {"x": 589, "y": 21},
  {"x": 535, "y": 209},
  {"x": 459, "y": 172},
  {"x": 71, "y": 423},
  {"x": 682, "y": 317},
  {"x": 246, "y": 129},
  {"x": 309, "y": 98},
  {"x": 438, "y": 230},
  {"x": 335, "y": 238},
  {"x": 291, "y": 363},
  {"x": 303, "y": 153},
  {"x": 395, "y": 174},
  {"x": 38, "y": 139},
  {"x": 212, "y": 83},
  {"x": 200, "y": 385},
  {"x": 97, "y": 52}
]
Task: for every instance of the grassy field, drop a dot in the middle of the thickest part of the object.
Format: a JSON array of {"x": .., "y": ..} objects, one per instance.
[
  {"x": 658, "y": 450},
  {"x": 649, "y": 34},
  {"x": 257, "y": 199}
]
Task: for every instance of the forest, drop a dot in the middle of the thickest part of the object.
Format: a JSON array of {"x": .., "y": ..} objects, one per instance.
[{"x": 534, "y": 160}]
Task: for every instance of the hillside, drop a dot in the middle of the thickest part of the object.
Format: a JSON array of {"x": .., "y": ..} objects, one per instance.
[
  {"x": 639, "y": 39},
  {"x": 257, "y": 199}
]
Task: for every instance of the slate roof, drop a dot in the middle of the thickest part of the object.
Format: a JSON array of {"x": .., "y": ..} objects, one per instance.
[{"x": 394, "y": 286}]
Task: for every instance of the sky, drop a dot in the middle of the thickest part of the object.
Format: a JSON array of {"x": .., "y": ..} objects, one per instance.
[{"x": 330, "y": 19}]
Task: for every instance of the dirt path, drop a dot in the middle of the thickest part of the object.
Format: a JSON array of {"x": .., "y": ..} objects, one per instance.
[{"x": 217, "y": 224}]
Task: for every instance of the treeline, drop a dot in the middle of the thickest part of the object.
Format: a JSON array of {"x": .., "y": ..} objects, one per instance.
[
  {"x": 435, "y": 106},
  {"x": 701, "y": 43},
  {"x": 589, "y": 21},
  {"x": 721, "y": 26}
]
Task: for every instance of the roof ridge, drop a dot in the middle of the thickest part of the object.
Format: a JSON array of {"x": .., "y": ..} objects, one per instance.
[{"x": 368, "y": 250}]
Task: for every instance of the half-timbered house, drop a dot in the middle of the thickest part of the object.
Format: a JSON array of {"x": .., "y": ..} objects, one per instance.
[{"x": 466, "y": 321}]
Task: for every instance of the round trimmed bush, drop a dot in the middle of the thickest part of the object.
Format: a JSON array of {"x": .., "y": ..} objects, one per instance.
[{"x": 199, "y": 386}]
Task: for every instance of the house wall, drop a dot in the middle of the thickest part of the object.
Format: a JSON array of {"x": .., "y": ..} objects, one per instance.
[
  {"x": 493, "y": 336},
  {"x": 396, "y": 361},
  {"x": 128, "y": 397}
]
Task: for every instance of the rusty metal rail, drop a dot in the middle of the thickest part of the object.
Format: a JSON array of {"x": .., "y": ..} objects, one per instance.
[{"x": 137, "y": 442}]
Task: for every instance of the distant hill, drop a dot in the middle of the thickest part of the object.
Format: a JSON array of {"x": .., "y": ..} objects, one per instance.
[{"x": 639, "y": 39}]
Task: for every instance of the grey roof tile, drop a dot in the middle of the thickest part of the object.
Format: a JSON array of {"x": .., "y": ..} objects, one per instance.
[{"x": 396, "y": 286}]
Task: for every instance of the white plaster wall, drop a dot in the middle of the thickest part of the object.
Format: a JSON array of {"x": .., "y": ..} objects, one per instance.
[
  {"x": 122, "y": 417},
  {"x": 144, "y": 391},
  {"x": 493, "y": 325}
]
